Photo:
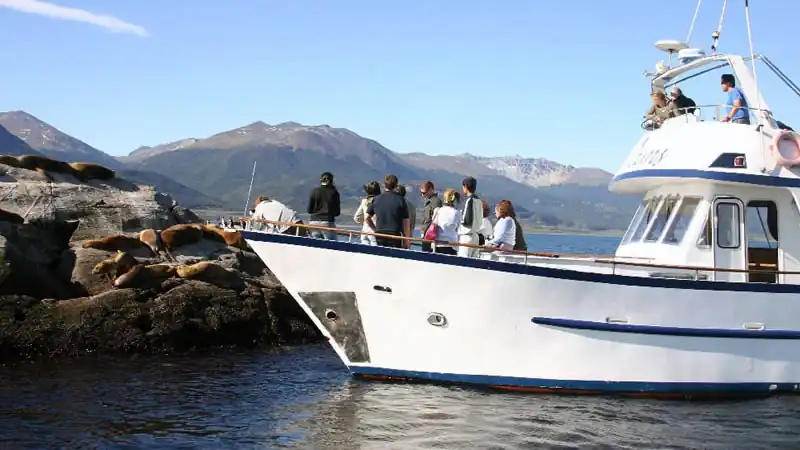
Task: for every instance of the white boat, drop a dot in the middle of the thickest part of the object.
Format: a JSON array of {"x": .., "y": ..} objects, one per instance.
[{"x": 692, "y": 304}]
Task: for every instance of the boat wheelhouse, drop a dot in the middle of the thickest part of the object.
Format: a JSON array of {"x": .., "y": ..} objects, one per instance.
[{"x": 702, "y": 297}]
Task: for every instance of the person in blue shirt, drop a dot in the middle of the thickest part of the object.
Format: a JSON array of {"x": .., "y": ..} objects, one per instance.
[{"x": 736, "y": 111}]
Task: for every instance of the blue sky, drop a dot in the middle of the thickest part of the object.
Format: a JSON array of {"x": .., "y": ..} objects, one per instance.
[{"x": 557, "y": 79}]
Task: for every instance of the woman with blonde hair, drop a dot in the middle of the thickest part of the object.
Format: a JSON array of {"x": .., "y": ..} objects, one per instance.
[
  {"x": 661, "y": 109},
  {"x": 446, "y": 220},
  {"x": 505, "y": 230}
]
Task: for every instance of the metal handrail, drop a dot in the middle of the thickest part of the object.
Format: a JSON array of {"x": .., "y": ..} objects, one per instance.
[
  {"x": 647, "y": 122},
  {"x": 587, "y": 257}
]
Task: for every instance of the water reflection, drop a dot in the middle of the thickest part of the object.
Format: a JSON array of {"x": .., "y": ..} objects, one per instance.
[
  {"x": 413, "y": 416},
  {"x": 303, "y": 398}
]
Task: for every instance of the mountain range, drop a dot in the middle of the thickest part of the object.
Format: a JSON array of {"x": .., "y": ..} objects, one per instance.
[{"x": 215, "y": 171}]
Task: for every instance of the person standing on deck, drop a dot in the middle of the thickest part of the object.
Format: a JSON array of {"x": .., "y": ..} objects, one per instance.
[
  {"x": 388, "y": 214},
  {"x": 323, "y": 207},
  {"x": 372, "y": 189},
  {"x": 412, "y": 210},
  {"x": 431, "y": 201},
  {"x": 737, "y": 111},
  {"x": 471, "y": 218}
]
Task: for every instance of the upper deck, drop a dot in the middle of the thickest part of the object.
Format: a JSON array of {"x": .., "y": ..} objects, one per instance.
[{"x": 697, "y": 146}]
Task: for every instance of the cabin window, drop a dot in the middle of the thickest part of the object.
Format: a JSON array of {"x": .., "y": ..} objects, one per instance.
[
  {"x": 704, "y": 241},
  {"x": 635, "y": 221},
  {"x": 761, "y": 223},
  {"x": 648, "y": 212},
  {"x": 660, "y": 219},
  {"x": 681, "y": 219},
  {"x": 728, "y": 221}
]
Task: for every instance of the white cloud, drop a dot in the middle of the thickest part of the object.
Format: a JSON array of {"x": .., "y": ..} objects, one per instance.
[{"x": 79, "y": 15}]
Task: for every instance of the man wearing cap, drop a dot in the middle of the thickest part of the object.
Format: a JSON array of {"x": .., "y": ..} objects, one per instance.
[{"x": 737, "y": 111}]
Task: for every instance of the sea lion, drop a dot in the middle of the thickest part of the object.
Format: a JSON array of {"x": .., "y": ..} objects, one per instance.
[
  {"x": 44, "y": 173},
  {"x": 91, "y": 171},
  {"x": 210, "y": 273},
  {"x": 33, "y": 162},
  {"x": 9, "y": 160},
  {"x": 116, "y": 265},
  {"x": 152, "y": 239},
  {"x": 179, "y": 235},
  {"x": 142, "y": 276},
  {"x": 232, "y": 238},
  {"x": 8, "y": 216},
  {"x": 115, "y": 242}
]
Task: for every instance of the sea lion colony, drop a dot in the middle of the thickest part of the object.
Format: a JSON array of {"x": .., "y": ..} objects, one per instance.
[
  {"x": 45, "y": 166},
  {"x": 165, "y": 240},
  {"x": 129, "y": 273}
]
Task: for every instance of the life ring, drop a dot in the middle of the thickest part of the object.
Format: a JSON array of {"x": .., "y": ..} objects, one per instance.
[{"x": 786, "y": 155}]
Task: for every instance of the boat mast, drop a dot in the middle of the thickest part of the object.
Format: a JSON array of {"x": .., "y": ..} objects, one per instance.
[
  {"x": 715, "y": 35},
  {"x": 250, "y": 189},
  {"x": 752, "y": 53},
  {"x": 694, "y": 19}
]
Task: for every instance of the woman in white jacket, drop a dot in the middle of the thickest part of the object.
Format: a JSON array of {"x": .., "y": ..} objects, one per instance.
[
  {"x": 372, "y": 190},
  {"x": 505, "y": 230},
  {"x": 446, "y": 219}
]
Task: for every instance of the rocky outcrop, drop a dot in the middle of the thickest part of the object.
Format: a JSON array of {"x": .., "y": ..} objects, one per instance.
[
  {"x": 57, "y": 299},
  {"x": 102, "y": 207}
]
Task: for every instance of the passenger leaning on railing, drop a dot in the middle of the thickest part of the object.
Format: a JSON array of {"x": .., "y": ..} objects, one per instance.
[
  {"x": 660, "y": 111},
  {"x": 683, "y": 104},
  {"x": 471, "y": 218},
  {"x": 505, "y": 230},
  {"x": 372, "y": 189},
  {"x": 275, "y": 211},
  {"x": 388, "y": 214},
  {"x": 446, "y": 220}
]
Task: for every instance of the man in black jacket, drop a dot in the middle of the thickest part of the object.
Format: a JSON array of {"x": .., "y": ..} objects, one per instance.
[
  {"x": 683, "y": 104},
  {"x": 323, "y": 207}
]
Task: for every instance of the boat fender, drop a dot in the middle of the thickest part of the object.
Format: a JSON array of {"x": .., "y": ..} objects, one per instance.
[{"x": 786, "y": 147}]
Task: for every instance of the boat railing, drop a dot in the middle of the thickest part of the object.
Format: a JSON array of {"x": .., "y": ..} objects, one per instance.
[
  {"x": 612, "y": 261},
  {"x": 704, "y": 113}
]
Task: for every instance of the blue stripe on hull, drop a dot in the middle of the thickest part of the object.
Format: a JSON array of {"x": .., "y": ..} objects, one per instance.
[
  {"x": 636, "y": 388},
  {"x": 666, "y": 331},
  {"x": 507, "y": 267},
  {"x": 734, "y": 177}
]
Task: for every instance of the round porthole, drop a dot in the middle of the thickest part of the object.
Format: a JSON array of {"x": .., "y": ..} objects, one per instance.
[
  {"x": 437, "y": 319},
  {"x": 331, "y": 315}
]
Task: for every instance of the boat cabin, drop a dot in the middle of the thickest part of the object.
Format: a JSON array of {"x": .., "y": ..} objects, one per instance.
[{"x": 716, "y": 195}]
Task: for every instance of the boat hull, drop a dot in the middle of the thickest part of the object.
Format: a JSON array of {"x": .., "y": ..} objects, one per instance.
[{"x": 398, "y": 314}]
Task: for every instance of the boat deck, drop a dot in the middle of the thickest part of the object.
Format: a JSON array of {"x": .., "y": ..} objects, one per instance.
[{"x": 591, "y": 263}]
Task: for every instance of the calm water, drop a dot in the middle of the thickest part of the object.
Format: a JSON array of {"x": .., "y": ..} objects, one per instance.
[{"x": 303, "y": 398}]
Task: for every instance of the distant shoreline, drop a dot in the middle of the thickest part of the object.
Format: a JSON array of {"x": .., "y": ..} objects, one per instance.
[{"x": 598, "y": 233}]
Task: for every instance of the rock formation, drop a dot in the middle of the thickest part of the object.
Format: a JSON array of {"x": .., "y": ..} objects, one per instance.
[{"x": 60, "y": 271}]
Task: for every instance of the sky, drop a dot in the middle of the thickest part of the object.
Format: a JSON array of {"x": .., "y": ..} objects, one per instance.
[{"x": 557, "y": 79}]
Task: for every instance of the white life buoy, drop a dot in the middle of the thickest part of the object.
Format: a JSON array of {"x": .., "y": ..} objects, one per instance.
[{"x": 786, "y": 147}]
